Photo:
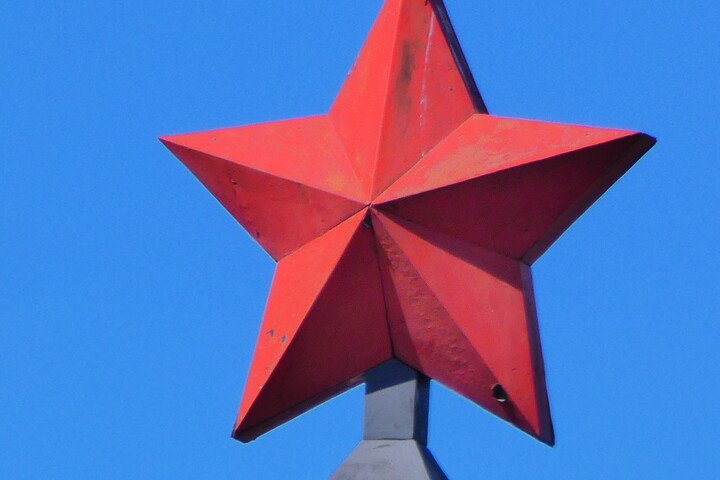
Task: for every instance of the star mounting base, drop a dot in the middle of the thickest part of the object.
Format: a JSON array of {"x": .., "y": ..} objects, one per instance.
[{"x": 394, "y": 445}]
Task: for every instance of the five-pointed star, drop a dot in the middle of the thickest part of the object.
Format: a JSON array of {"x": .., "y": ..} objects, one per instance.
[{"x": 404, "y": 223}]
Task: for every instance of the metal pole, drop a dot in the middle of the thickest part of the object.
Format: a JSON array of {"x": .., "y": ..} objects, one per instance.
[{"x": 394, "y": 445}]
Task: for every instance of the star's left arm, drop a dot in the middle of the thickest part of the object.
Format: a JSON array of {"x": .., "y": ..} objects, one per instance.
[{"x": 286, "y": 182}]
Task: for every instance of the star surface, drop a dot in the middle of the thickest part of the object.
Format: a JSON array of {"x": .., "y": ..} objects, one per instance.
[{"x": 404, "y": 222}]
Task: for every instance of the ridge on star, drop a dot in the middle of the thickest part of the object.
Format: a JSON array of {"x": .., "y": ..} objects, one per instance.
[{"x": 404, "y": 223}]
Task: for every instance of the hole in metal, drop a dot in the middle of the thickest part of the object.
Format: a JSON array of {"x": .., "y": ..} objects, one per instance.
[{"x": 499, "y": 393}]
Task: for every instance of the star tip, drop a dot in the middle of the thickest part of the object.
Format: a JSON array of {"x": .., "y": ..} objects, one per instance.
[
  {"x": 544, "y": 438},
  {"x": 165, "y": 139},
  {"x": 644, "y": 143},
  {"x": 640, "y": 135},
  {"x": 171, "y": 143},
  {"x": 649, "y": 139},
  {"x": 543, "y": 433},
  {"x": 547, "y": 437},
  {"x": 241, "y": 436}
]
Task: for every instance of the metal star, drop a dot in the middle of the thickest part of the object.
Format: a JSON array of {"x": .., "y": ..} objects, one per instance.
[{"x": 404, "y": 222}]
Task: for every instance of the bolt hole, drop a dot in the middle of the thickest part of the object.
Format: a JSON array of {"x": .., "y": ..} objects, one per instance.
[{"x": 499, "y": 393}]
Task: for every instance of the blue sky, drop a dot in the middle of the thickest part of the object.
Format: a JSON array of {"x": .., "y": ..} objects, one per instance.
[{"x": 130, "y": 300}]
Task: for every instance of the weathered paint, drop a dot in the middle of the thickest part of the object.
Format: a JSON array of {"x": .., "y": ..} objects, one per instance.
[
  {"x": 404, "y": 94},
  {"x": 459, "y": 314},
  {"x": 404, "y": 223}
]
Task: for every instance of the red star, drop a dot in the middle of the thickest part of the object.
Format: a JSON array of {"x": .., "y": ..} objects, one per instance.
[{"x": 404, "y": 223}]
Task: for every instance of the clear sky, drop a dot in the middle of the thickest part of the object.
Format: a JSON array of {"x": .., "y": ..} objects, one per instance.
[{"x": 130, "y": 300}]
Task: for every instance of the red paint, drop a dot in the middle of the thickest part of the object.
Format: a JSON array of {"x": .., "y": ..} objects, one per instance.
[
  {"x": 286, "y": 182},
  {"x": 404, "y": 223},
  {"x": 460, "y": 314},
  {"x": 324, "y": 326},
  {"x": 520, "y": 183}
]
